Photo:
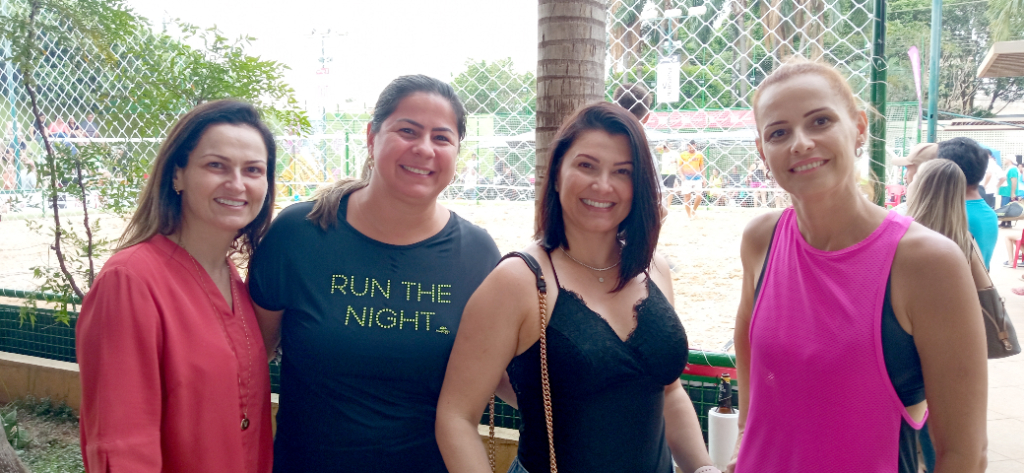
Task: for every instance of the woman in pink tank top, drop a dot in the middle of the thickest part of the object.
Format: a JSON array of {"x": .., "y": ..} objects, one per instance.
[{"x": 816, "y": 386}]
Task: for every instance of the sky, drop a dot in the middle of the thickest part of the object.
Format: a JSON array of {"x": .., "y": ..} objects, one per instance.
[{"x": 370, "y": 41}]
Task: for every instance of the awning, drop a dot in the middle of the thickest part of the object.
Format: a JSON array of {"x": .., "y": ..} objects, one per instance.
[{"x": 1004, "y": 59}]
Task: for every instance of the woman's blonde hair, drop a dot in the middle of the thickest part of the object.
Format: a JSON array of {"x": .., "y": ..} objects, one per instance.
[
  {"x": 795, "y": 66},
  {"x": 936, "y": 199}
]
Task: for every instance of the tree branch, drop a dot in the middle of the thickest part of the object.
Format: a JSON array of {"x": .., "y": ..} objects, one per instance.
[
  {"x": 51, "y": 160},
  {"x": 88, "y": 230}
]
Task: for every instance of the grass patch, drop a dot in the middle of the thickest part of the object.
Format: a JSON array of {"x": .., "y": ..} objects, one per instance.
[
  {"x": 52, "y": 429},
  {"x": 53, "y": 458}
]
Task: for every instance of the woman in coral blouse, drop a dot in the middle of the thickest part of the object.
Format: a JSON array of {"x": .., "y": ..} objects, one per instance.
[{"x": 174, "y": 372}]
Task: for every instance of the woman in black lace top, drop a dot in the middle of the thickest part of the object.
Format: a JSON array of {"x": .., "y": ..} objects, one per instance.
[{"x": 615, "y": 345}]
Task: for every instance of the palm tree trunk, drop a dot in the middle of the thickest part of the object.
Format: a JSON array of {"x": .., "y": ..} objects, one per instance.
[
  {"x": 739, "y": 9},
  {"x": 570, "y": 68}
]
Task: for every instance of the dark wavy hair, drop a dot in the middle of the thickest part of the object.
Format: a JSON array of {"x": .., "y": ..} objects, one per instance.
[
  {"x": 639, "y": 231},
  {"x": 160, "y": 206}
]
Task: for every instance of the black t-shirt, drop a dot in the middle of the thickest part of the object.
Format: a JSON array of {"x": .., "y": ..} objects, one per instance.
[{"x": 366, "y": 334}]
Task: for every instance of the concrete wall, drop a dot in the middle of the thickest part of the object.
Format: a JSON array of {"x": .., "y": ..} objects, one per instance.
[{"x": 22, "y": 375}]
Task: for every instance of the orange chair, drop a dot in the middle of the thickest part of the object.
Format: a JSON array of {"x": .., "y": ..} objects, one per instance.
[{"x": 894, "y": 194}]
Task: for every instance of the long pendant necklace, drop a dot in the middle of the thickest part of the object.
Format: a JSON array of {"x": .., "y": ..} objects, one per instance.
[
  {"x": 585, "y": 265},
  {"x": 245, "y": 330}
]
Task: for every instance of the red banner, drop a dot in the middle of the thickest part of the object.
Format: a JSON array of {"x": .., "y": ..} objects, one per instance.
[{"x": 725, "y": 119}]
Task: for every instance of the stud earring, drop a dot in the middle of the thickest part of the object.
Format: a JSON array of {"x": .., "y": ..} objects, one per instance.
[{"x": 176, "y": 190}]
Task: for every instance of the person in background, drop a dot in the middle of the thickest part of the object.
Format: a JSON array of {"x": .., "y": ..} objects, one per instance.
[
  {"x": 1020, "y": 188},
  {"x": 756, "y": 180},
  {"x": 8, "y": 172},
  {"x": 691, "y": 178},
  {"x": 470, "y": 178},
  {"x": 918, "y": 155},
  {"x": 364, "y": 289},
  {"x": 173, "y": 369},
  {"x": 28, "y": 174},
  {"x": 981, "y": 219},
  {"x": 1009, "y": 184},
  {"x": 989, "y": 186},
  {"x": 937, "y": 201},
  {"x": 733, "y": 180},
  {"x": 91, "y": 126},
  {"x": 75, "y": 129},
  {"x": 59, "y": 129},
  {"x": 670, "y": 179},
  {"x": 715, "y": 185},
  {"x": 879, "y": 308},
  {"x": 637, "y": 100},
  {"x": 615, "y": 346}
]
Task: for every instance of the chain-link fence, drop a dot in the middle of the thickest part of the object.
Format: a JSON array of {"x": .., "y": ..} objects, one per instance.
[{"x": 703, "y": 62}]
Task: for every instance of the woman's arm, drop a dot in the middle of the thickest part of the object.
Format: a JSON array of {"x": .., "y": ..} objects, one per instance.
[
  {"x": 932, "y": 289},
  {"x": 682, "y": 430},
  {"x": 270, "y": 327},
  {"x": 753, "y": 250},
  {"x": 487, "y": 340},
  {"x": 119, "y": 340},
  {"x": 505, "y": 392}
]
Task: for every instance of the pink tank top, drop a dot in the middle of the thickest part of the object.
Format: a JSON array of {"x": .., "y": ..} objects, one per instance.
[{"x": 820, "y": 396}]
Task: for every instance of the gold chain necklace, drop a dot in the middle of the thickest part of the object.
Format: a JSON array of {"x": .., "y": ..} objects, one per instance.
[
  {"x": 585, "y": 265},
  {"x": 245, "y": 330}
]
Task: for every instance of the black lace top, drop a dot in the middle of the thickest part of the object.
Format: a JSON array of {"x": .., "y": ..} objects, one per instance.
[{"x": 607, "y": 394}]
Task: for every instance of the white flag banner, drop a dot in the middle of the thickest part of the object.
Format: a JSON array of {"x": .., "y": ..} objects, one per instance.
[{"x": 668, "y": 79}]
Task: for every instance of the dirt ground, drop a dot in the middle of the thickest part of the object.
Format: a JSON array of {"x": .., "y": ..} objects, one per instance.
[{"x": 704, "y": 253}]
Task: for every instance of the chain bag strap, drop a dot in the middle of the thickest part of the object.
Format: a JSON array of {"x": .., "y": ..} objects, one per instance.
[{"x": 542, "y": 297}]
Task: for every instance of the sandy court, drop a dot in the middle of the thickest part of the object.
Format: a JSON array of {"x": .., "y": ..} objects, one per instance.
[{"x": 704, "y": 253}]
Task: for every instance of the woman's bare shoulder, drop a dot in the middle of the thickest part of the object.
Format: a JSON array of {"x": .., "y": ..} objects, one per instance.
[
  {"x": 513, "y": 272},
  {"x": 922, "y": 249},
  {"x": 758, "y": 232}
]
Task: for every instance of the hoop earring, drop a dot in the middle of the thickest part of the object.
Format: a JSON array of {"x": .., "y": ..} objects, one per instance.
[{"x": 858, "y": 152}]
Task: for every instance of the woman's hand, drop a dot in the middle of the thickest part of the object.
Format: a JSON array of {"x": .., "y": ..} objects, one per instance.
[{"x": 270, "y": 327}]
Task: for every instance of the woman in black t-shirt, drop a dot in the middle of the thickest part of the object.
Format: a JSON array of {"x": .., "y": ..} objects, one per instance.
[
  {"x": 615, "y": 346},
  {"x": 364, "y": 289}
]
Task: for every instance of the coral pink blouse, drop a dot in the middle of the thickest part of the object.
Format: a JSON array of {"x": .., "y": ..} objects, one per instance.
[{"x": 169, "y": 370}]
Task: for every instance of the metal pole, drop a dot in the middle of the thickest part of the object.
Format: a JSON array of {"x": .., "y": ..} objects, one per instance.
[
  {"x": 933, "y": 70},
  {"x": 8, "y": 70},
  {"x": 878, "y": 97},
  {"x": 348, "y": 165}
]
